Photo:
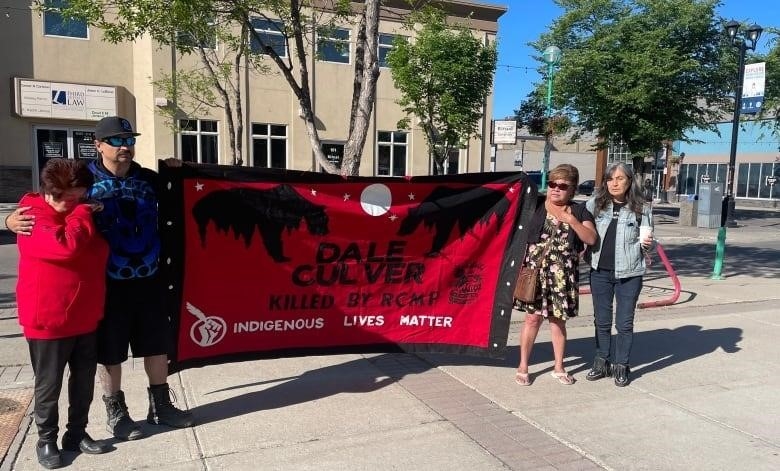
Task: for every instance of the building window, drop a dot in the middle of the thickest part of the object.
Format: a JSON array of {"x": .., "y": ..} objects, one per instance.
[
  {"x": 269, "y": 145},
  {"x": 769, "y": 184},
  {"x": 384, "y": 46},
  {"x": 54, "y": 24},
  {"x": 453, "y": 162},
  {"x": 391, "y": 153},
  {"x": 758, "y": 180},
  {"x": 451, "y": 165},
  {"x": 690, "y": 175},
  {"x": 619, "y": 152},
  {"x": 271, "y": 34},
  {"x": 334, "y": 46},
  {"x": 199, "y": 141}
]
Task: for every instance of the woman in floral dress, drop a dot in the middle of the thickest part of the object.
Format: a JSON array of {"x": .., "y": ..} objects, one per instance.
[{"x": 558, "y": 233}]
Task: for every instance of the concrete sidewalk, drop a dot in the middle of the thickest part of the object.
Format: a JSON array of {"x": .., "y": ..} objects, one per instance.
[{"x": 705, "y": 391}]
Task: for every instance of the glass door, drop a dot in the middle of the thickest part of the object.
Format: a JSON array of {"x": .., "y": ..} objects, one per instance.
[
  {"x": 62, "y": 142},
  {"x": 84, "y": 144},
  {"x": 51, "y": 143}
]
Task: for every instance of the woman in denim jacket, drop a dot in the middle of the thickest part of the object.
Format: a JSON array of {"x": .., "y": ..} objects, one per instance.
[{"x": 617, "y": 266}]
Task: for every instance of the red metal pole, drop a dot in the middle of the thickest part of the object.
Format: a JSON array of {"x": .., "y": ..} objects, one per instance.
[{"x": 672, "y": 274}]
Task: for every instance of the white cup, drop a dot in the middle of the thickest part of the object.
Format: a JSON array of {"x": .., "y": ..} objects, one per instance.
[{"x": 644, "y": 232}]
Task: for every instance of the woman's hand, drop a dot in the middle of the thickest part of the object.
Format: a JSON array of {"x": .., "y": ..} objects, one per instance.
[
  {"x": 172, "y": 162},
  {"x": 647, "y": 242},
  {"x": 20, "y": 223},
  {"x": 562, "y": 214},
  {"x": 94, "y": 205}
]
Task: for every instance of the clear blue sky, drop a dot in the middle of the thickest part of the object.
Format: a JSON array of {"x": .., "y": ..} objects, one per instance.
[{"x": 525, "y": 20}]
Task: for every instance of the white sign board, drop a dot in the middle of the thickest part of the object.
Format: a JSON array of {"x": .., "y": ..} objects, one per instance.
[
  {"x": 505, "y": 132},
  {"x": 37, "y": 99}
]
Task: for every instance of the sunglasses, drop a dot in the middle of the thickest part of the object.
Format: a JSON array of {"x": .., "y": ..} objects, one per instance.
[
  {"x": 120, "y": 141},
  {"x": 560, "y": 186}
]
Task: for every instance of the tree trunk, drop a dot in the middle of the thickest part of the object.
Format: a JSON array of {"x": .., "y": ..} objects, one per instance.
[
  {"x": 227, "y": 99},
  {"x": 362, "y": 107},
  {"x": 364, "y": 90},
  {"x": 238, "y": 157}
]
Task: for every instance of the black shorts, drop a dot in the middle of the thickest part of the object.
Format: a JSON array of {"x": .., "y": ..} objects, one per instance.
[{"x": 134, "y": 316}]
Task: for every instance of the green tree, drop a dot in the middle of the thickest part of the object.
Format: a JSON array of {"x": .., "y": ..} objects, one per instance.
[
  {"x": 444, "y": 75},
  {"x": 641, "y": 71},
  {"x": 532, "y": 115},
  {"x": 770, "y": 109},
  {"x": 231, "y": 21}
]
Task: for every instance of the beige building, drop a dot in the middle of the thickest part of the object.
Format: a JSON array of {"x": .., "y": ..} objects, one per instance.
[{"x": 63, "y": 77}]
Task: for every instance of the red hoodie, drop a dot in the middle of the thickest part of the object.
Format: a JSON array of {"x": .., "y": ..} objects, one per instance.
[{"x": 62, "y": 272}]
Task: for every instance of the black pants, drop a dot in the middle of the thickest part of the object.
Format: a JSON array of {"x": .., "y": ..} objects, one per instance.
[{"x": 49, "y": 358}]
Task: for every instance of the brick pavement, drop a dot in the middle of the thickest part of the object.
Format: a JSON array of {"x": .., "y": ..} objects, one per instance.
[{"x": 517, "y": 441}]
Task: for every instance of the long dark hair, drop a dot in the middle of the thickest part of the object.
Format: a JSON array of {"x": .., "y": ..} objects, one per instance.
[{"x": 634, "y": 199}]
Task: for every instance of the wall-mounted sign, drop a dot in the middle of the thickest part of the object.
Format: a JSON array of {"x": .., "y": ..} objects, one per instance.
[
  {"x": 52, "y": 149},
  {"x": 334, "y": 152},
  {"x": 505, "y": 132},
  {"x": 38, "y": 99}
]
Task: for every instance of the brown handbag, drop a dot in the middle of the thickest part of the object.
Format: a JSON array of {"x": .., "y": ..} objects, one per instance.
[
  {"x": 525, "y": 288},
  {"x": 528, "y": 281}
]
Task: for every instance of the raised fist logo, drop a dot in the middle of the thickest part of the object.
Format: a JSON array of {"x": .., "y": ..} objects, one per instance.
[{"x": 208, "y": 330}]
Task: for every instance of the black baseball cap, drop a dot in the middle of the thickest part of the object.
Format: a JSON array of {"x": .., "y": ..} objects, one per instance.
[{"x": 111, "y": 126}]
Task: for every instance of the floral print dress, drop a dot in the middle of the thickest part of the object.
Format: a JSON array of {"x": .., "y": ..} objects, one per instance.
[{"x": 558, "y": 290}]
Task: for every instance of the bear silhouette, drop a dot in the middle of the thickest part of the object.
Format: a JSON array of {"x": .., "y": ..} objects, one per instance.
[
  {"x": 445, "y": 207},
  {"x": 270, "y": 211}
]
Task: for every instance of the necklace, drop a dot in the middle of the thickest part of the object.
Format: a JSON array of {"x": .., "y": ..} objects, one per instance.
[{"x": 616, "y": 207}]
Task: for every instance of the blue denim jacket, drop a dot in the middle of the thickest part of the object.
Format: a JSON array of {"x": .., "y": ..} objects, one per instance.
[{"x": 629, "y": 259}]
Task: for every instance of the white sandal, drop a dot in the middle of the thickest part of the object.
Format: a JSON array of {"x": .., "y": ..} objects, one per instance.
[{"x": 563, "y": 378}]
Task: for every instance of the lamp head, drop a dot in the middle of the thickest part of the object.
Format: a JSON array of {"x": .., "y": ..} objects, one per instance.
[
  {"x": 731, "y": 29},
  {"x": 753, "y": 33},
  {"x": 552, "y": 55}
]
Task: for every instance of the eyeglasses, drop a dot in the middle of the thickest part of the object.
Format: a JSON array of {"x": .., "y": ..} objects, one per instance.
[
  {"x": 560, "y": 186},
  {"x": 120, "y": 141}
]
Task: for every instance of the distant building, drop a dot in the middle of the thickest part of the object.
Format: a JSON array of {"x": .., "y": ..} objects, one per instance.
[
  {"x": 757, "y": 175},
  {"x": 528, "y": 152}
]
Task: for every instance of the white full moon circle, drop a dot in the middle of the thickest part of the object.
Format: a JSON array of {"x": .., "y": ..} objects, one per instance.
[{"x": 376, "y": 199}]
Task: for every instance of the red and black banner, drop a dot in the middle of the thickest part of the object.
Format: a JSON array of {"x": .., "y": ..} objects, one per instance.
[{"x": 262, "y": 263}]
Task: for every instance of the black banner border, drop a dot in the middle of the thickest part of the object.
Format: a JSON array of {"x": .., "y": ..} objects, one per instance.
[{"x": 172, "y": 262}]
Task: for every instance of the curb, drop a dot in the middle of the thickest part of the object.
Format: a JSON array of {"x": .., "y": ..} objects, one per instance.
[{"x": 8, "y": 460}]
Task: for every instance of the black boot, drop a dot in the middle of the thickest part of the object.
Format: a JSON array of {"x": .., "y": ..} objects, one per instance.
[
  {"x": 601, "y": 369},
  {"x": 119, "y": 424},
  {"x": 83, "y": 443},
  {"x": 163, "y": 412},
  {"x": 620, "y": 372},
  {"x": 48, "y": 454}
]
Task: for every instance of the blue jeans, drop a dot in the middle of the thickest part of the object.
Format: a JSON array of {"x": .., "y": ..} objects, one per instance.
[{"x": 604, "y": 288}]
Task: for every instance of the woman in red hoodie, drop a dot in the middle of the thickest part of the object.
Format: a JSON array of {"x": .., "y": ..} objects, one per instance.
[{"x": 60, "y": 296}]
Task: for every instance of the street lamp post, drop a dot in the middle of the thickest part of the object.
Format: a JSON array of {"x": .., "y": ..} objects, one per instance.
[
  {"x": 522, "y": 152},
  {"x": 551, "y": 56},
  {"x": 743, "y": 43}
]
